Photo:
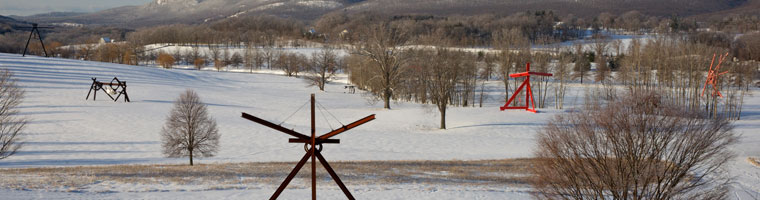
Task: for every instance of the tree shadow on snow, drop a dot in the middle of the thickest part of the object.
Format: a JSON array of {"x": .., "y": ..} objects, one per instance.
[
  {"x": 72, "y": 162},
  {"x": 91, "y": 143},
  {"x": 209, "y": 104},
  {"x": 58, "y": 152},
  {"x": 500, "y": 125}
]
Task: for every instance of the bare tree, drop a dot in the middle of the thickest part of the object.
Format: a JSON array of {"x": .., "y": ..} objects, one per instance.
[
  {"x": 515, "y": 52},
  {"x": 223, "y": 59},
  {"x": 485, "y": 76},
  {"x": 258, "y": 58},
  {"x": 444, "y": 72},
  {"x": 290, "y": 63},
  {"x": 582, "y": 62},
  {"x": 216, "y": 53},
  {"x": 87, "y": 50},
  {"x": 11, "y": 126},
  {"x": 468, "y": 77},
  {"x": 601, "y": 44},
  {"x": 606, "y": 20},
  {"x": 189, "y": 130},
  {"x": 631, "y": 65},
  {"x": 236, "y": 60},
  {"x": 640, "y": 146},
  {"x": 323, "y": 66},
  {"x": 177, "y": 54},
  {"x": 196, "y": 57},
  {"x": 381, "y": 46},
  {"x": 269, "y": 56},
  {"x": 249, "y": 57},
  {"x": 561, "y": 76},
  {"x": 542, "y": 62}
]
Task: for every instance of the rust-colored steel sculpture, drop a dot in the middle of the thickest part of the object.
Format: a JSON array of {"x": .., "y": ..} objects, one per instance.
[
  {"x": 712, "y": 75},
  {"x": 530, "y": 104},
  {"x": 314, "y": 153}
]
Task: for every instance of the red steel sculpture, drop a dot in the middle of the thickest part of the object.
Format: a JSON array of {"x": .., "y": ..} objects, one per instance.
[
  {"x": 530, "y": 104},
  {"x": 314, "y": 153},
  {"x": 712, "y": 75}
]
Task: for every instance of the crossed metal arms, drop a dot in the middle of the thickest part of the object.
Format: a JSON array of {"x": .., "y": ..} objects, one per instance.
[
  {"x": 712, "y": 75},
  {"x": 301, "y": 138},
  {"x": 312, "y": 152}
]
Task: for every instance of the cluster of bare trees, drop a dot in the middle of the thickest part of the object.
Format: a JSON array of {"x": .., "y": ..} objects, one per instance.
[
  {"x": 259, "y": 30},
  {"x": 678, "y": 69},
  {"x": 747, "y": 47},
  {"x": 12, "y": 42},
  {"x": 219, "y": 56},
  {"x": 441, "y": 77},
  {"x": 387, "y": 69},
  {"x": 475, "y": 30},
  {"x": 122, "y": 52},
  {"x": 736, "y": 23},
  {"x": 290, "y": 62},
  {"x": 437, "y": 76},
  {"x": 387, "y": 66},
  {"x": 636, "y": 22},
  {"x": 675, "y": 66}
]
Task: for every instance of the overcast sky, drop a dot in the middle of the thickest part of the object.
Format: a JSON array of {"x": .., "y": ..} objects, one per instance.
[{"x": 31, "y": 7}]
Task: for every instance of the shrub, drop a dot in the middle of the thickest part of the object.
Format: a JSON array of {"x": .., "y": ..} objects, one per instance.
[
  {"x": 635, "y": 147},
  {"x": 165, "y": 60}
]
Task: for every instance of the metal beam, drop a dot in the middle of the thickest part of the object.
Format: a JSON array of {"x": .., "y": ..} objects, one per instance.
[
  {"x": 291, "y": 176},
  {"x": 347, "y": 127},
  {"x": 274, "y": 126},
  {"x": 319, "y": 141},
  {"x": 334, "y": 176}
]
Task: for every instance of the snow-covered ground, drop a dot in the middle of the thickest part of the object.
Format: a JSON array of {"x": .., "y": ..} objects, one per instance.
[
  {"x": 67, "y": 130},
  {"x": 370, "y": 192}
]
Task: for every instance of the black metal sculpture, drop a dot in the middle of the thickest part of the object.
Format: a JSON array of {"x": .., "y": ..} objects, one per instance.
[
  {"x": 114, "y": 87},
  {"x": 35, "y": 29}
]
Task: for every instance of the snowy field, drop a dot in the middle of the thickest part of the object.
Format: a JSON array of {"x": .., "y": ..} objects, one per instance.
[{"x": 67, "y": 130}]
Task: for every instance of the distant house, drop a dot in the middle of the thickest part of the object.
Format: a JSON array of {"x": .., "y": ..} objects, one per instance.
[{"x": 105, "y": 40}]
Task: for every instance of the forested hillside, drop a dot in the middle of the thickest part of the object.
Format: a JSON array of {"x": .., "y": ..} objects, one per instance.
[{"x": 205, "y": 11}]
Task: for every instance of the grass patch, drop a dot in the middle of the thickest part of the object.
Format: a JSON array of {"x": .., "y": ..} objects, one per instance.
[
  {"x": 754, "y": 161},
  {"x": 513, "y": 172}
]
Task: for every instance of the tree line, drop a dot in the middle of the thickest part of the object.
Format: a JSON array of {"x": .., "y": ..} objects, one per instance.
[
  {"x": 383, "y": 64},
  {"x": 541, "y": 26}
]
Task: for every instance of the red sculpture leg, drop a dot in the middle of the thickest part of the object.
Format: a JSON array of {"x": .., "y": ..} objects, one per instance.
[{"x": 530, "y": 102}]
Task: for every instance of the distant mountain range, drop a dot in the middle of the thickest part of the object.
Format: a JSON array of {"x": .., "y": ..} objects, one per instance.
[
  {"x": 194, "y": 12},
  {"x": 8, "y": 24},
  {"x": 202, "y": 11}
]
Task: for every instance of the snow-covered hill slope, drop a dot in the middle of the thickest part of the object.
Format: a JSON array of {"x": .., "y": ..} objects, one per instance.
[{"x": 67, "y": 130}]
